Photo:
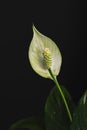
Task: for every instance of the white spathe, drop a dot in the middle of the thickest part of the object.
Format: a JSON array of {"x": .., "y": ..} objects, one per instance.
[{"x": 37, "y": 46}]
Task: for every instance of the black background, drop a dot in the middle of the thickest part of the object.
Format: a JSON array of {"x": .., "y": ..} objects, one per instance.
[{"x": 22, "y": 92}]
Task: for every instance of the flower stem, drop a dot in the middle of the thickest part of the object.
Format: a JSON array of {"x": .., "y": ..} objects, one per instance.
[{"x": 62, "y": 95}]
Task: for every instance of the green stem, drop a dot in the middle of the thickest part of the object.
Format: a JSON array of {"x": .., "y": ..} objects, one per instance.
[{"x": 60, "y": 90}]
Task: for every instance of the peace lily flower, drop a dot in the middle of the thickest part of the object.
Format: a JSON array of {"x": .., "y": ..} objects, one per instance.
[
  {"x": 44, "y": 54},
  {"x": 45, "y": 58}
]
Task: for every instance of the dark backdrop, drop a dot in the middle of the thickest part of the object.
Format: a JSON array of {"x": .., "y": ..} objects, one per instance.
[{"x": 22, "y": 92}]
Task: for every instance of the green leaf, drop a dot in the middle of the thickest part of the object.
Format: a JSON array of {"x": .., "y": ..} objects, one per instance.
[
  {"x": 83, "y": 99},
  {"x": 32, "y": 123},
  {"x": 80, "y": 114},
  {"x": 56, "y": 117}
]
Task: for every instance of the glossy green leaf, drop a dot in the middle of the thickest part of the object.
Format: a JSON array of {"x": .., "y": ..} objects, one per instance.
[
  {"x": 30, "y": 123},
  {"x": 38, "y": 45},
  {"x": 80, "y": 115},
  {"x": 56, "y": 117}
]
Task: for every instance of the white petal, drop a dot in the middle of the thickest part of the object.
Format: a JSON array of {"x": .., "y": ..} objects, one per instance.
[{"x": 38, "y": 44}]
